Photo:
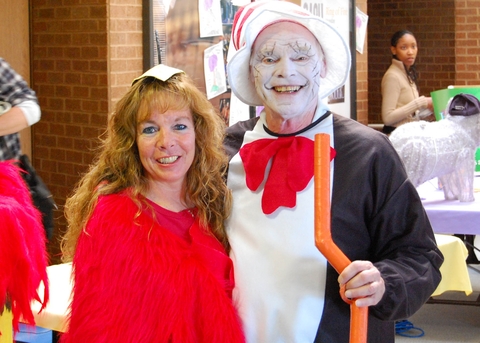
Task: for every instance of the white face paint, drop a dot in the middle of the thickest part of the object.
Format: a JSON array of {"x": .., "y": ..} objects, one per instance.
[{"x": 286, "y": 66}]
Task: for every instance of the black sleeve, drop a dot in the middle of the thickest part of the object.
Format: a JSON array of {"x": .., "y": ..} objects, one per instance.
[
  {"x": 235, "y": 133},
  {"x": 374, "y": 203}
]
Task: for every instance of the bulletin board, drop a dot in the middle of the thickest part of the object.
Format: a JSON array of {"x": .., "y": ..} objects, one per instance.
[{"x": 194, "y": 35}]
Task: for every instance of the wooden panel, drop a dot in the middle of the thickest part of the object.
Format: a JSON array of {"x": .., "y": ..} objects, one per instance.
[{"x": 15, "y": 46}]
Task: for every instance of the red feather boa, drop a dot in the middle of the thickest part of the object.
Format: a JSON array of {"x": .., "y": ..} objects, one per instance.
[
  {"x": 135, "y": 281},
  {"x": 23, "y": 256}
]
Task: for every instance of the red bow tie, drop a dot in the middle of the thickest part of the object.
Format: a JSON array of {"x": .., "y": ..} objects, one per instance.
[{"x": 291, "y": 171}]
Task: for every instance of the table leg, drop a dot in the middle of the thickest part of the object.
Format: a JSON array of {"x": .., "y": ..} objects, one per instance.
[
  {"x": 469, "y": 243},
  {"x": 433, "y": 300}
]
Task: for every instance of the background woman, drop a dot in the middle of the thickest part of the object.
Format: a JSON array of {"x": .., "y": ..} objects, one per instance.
[
  {"x": 146, "y": 229},
  {"x": 401, "y": 102}
]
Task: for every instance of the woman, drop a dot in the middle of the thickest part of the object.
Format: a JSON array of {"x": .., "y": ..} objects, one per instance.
[
  {"x": 401, "y": 102},
  {"x": 146, "y": 229}
]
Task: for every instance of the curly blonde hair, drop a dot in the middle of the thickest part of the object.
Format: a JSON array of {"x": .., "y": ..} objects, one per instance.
[{"x": 117, "y": 165}]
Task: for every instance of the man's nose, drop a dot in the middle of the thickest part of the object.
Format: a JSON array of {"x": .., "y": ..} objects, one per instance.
[{"x": 285, "y": 67}]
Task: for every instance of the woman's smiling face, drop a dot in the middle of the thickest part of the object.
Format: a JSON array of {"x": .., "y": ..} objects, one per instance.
[{"x": 166, "y": 145}]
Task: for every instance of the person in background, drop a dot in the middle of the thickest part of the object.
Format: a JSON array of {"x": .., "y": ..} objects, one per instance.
[
  {"x": 146, "y": 223},
  {"x": 289, "y": 60},
  {"x": 401, "y": 102},
  {"x": 21, "y": 110}
]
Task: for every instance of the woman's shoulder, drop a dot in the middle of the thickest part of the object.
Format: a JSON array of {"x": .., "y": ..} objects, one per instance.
[
  {"x": 396, "y": 68},
  {"x": 393, "y": 72},
  {"x": 119, "y": 220},
  {"x": 116, "y": 208},
  {"x": 122, "y": 199},
  {"x": 393, "y": 77}
]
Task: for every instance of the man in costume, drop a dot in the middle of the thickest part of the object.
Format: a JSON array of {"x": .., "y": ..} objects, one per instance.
[{"x": 288, "y": 60}]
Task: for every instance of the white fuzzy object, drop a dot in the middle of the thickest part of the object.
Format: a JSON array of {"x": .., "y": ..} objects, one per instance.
[{"x": 443, "y": 149}]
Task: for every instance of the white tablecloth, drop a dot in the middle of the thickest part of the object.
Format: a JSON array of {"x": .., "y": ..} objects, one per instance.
[{"x": 54, "y": 316}]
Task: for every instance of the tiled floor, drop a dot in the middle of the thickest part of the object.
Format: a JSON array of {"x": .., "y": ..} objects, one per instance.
[{"x": 449, "y": 323}]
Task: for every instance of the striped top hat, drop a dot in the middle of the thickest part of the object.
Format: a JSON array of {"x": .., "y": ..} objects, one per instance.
[{"x": 255, "y": 17}]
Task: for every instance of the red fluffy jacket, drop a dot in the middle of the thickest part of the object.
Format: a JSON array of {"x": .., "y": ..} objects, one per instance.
[
  {"x": 135, "y": 281},
  {"x": 23, "y": 255}
]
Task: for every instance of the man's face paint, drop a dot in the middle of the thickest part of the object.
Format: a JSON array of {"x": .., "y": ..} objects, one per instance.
[{"x": 286, "y": 66}]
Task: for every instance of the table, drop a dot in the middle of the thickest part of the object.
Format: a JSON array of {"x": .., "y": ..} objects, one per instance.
[
  {"x": 450, "y": 216},
  {"x": 54, "y": 316},
  {"x": 454, "y": 270},
  {"x": 453, "y": 216},
  {"x": 6, "y": 327}
]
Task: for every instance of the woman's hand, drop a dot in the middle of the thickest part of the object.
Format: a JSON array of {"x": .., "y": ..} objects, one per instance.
[
  {"x": 429, "y": 103},
  {"x": 363, "y": 282}
]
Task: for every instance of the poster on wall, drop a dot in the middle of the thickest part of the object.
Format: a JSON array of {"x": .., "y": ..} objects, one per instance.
[
  {"x": 214, "y": 69},
  {"x": 337, "y": 13},
  {"x": 210, "y": 14},
  {"x": 361, "y": 20}
]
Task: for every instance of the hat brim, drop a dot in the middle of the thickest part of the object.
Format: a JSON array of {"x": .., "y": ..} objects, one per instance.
[{"x": 337, "y": 53}]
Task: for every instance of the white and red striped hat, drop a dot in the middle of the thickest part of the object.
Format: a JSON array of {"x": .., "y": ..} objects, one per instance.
[{"x": 254, "y": 18}]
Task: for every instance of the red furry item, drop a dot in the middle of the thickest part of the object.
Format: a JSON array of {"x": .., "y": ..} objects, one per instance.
[
  {"x": 135, "y": 281},
  {"x": 23, "y": 256}
]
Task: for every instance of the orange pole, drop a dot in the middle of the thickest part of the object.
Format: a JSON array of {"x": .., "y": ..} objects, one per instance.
[{"x": 323, "y": 236}]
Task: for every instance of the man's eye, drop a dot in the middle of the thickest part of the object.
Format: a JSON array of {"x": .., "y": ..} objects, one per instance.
[
  {"x": 302, "y": 58},
  {"x": 268, "y": 60}
]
